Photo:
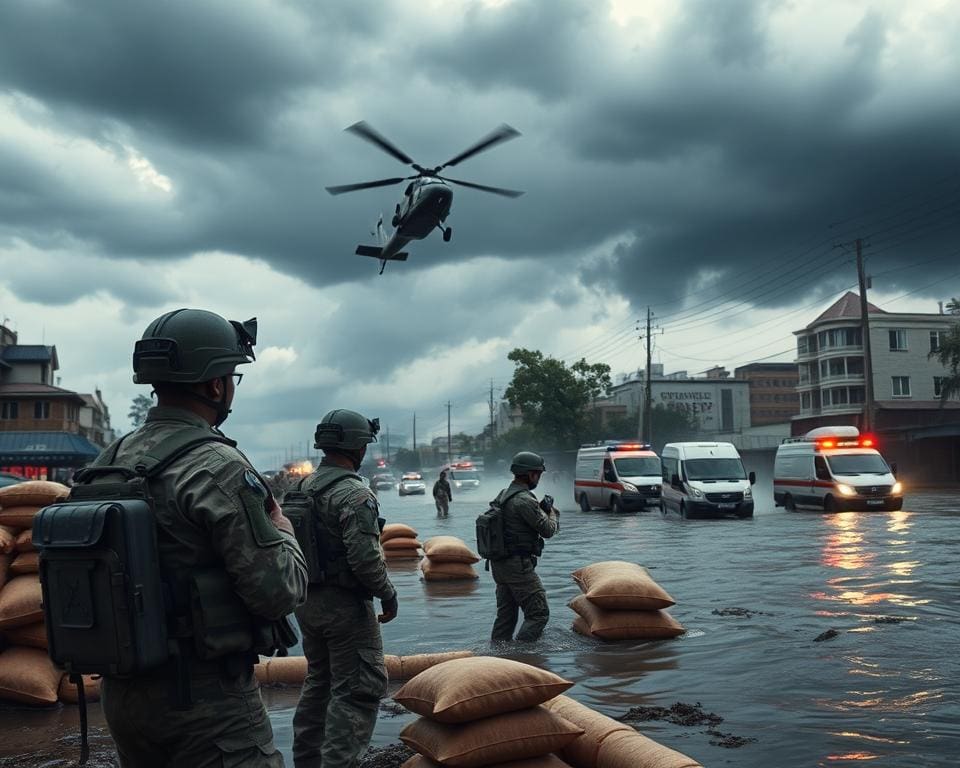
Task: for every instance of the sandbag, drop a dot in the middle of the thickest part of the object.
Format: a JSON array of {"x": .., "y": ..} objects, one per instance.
[
  {"x": 631, "y": 750},
  {"x": 401, "y": 542},
  {"x": 8, "y": 539},
  {"x": 68, "y": 694},
  {"x": 434, "y": 571},
  {"x": 619, "y": 585},
  {"x": 397, "y": 530},
  {"x": 514, "y": 736},
  {"x": 24, "y": 542},
  {"x": 32, "y": 635},
  {"x": 461, "y": 690},
  {"x": 19, "y": 518},
  {"x": 286, "y": 670},
  {"x": 25, "y": 562},
  {"x": 20, "y": 602},
  {"x": 394, "y": 667},
  {"x": 401, "y": 554},
  {"x": 623, "y": 625},
  {"x": 411, "y": 666},
  {"x": 28, "y": 676},
  {"x": 4, "y": 569},
  {"x": 544, "y": 761},
  {"x": 36, "y": 493},
  {"x": 449, "y": 549},
  {"x": 582, "y": 752}
]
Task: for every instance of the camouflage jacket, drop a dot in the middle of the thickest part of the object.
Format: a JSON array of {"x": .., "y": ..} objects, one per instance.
[
  {"x": 523, "y": 521},
  {"x": 211, "y": 510},
  {"x": 348, "y": 513}
]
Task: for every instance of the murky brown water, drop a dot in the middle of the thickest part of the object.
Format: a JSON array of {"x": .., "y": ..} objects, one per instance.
[{"x": 883, "y": 690}]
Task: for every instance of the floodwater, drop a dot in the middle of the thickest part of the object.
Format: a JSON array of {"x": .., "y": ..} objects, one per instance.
[{"x": 882, "y": 691}]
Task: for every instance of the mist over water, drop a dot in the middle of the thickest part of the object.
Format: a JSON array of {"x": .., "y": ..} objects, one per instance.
[{"x": 883, "y": 691}]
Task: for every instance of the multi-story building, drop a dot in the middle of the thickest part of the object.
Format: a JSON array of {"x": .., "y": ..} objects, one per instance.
[
  {"x": 908, "y": 413},
  {"x": 41, "y": 435},
  {"x": 773, "y": 391}
]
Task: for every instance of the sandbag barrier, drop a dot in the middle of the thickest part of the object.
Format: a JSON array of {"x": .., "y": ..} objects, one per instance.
[
  {"x": 27, "y": 676},
  {"x": 399, "y": 542},
  {"x": 621, "y": 601},
  {"x": 448, "y": 558},
  {"x": 292, "y": 670}
]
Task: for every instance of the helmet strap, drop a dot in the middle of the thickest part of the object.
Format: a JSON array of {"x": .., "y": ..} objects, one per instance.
[{"x": 219, "y": 406}]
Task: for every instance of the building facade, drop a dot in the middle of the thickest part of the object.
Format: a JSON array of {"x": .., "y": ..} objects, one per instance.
[
  {"x": 916, "y": 429},
  {"x": 773, "y": 391}
]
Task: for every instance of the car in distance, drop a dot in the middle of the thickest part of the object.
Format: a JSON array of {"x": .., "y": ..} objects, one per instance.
[
  {"x": 464, "y": 479},
  {"x": 411, "y": 483},
  {"x": 383, "y": 482},
  {"x": 7, "y": 478}
]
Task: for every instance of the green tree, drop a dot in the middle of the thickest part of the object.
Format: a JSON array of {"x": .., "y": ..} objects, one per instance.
[
  {"x": 669, "y": 425},
  {"x": 553, "y": 397},
  {"x": 948, "y": 353},
  {"x": 953, "y": 306},
  {"x": 138, "y": 409}
]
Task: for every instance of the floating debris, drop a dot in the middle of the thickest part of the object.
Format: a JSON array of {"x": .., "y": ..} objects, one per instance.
[
  {"x": 728, "y": 740},
  {"x": 678, "y": 714},
  {"x": 828, "y": 635},
  {"x": 391, "y": 756},
  {"x": 392, "y": 709},
  {"x": 888, "y": 619},
  {"x": 745, "y": 613}
]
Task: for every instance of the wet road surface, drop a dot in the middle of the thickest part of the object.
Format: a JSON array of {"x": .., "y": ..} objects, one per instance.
[{"x": 753, "y": 594}]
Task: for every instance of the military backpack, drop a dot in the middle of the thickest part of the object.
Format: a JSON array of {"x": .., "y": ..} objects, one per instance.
[{"x": 491, "y": 531}]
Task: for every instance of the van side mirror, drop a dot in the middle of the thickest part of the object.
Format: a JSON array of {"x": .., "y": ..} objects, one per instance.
[
  {"x": 893, "y": 469},
  {"x": 753, "y": 478},
  {"x": 675, "y": 480}
]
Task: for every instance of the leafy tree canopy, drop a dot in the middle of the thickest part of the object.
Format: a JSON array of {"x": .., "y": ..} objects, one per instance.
[
  {"x": 138, "y": 409},
  {"x": 949, "y": 356}
]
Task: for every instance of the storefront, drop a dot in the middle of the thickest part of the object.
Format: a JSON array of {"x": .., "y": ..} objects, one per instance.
[{"x": 45, "y": 455}]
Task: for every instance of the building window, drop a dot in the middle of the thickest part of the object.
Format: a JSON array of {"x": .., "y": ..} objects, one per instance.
[
  {"x": 936, "y": 340},
  {"x": 805, "y": 401},
  {"x": 857, "y": 395},
  {"x": 898, "y": 340},
  {"x": 901, "y": 386},
  {"x": 803, "y": 345},
  {"x": 10, "y": 410},
  {"x": 41, "y": 409}
]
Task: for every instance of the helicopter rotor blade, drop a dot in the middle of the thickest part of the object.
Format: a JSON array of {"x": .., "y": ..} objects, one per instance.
[
  {"x": 367, "y": 133},
  {"x": 484, "y": 188},
  {"x": 501, "y": 134},
  {"x": 366, "y": 185}
]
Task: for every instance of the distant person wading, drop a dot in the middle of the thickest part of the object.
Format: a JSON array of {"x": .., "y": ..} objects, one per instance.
[{"x": 442, "y": 495}]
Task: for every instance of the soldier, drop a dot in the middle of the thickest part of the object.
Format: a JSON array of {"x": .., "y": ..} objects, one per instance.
[
  {"x": 346, "y": 675},
  {"x": 216, "y": 524},
  {"x": 526, "y": 523},
  {"x": 442, "y": 495}
]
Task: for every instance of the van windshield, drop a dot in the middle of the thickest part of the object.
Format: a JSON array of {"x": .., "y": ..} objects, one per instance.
[
  {"x": 858, "y": 464},
  {"x": 638, "y": 466},
  {"x": 714, "y": 469},
  {"x": 465, "y": 474}
]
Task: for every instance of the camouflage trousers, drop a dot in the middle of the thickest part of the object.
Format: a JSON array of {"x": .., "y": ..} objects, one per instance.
[
  {"x": 346, "y": 678},
  {"x": 443, "y": 505},
  {"x": 226, "y": 725},
  {"x": 519, "y": 588}
]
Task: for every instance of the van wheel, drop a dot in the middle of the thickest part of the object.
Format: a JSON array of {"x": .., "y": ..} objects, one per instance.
[
  {"x": 683, "y": 509},
  {"x": 584, "y": 504},
  {"x": 788, "y": 503},
  {"x": 614, "y": 504},
  {"x": 830, "y": 504}
]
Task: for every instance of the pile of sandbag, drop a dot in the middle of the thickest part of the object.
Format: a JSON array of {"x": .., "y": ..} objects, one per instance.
[
  {"x": 291, "y": 670},
  {"x": 399, "y": 542},
  {"x": 607, "y": 743},
  {"x": 485, "y": 711},
  {"x": 26, "y": 673},
  {"x": 620, "y": 601},
  {"x": 448, "y": 558}
]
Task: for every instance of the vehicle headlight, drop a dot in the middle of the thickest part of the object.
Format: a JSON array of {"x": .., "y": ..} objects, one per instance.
[
  {"x": 897, "y": 487},
  {"x": 697, "y": 492},
  {"x": 748, "y": 494},
  {"x": 654, "y": 487},
  {"x": 845, "y": 490},
  {"x": 630, "y": 487}
]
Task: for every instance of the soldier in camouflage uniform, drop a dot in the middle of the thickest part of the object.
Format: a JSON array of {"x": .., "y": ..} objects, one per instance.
[
  {"x": 346, "y": 675},
  {"x": 213, "y": 515},
  {"x": 526, "y": 523}
]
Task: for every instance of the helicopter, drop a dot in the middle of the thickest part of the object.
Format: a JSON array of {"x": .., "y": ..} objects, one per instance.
[{"x": 427, "y": 198}]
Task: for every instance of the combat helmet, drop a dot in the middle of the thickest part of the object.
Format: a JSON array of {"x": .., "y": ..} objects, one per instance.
[
  {"x": 188, "y": 346},
  {"x": 345, "y": 430},
  {"x": 527, "y": 461}
]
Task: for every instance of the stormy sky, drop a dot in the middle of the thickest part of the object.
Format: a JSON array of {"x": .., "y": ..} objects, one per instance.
[{"x": 712, "y": 160}]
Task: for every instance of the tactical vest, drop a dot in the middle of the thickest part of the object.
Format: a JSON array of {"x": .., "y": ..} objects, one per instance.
[{"x": 519, "y": 537}]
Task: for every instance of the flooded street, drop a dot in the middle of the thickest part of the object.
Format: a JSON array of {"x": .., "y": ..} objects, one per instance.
[{"x": 753, "y": 596}]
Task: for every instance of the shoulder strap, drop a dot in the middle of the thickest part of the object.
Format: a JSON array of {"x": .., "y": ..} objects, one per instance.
[
  {"x": 501, "y": 499},
  {"x": 327, "y": 486}
]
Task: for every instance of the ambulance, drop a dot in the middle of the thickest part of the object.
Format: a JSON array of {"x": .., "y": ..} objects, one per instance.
[
  {"x": 705, "y": 479},
  {"x": 616, "y": 475},
  {"x": 834, "y": 469}
]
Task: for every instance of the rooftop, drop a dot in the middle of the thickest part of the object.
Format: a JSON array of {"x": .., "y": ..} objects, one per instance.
[
  {"x": 28, "y": 353},
  {"x": 846, "y": 306},
  {"x": 36, "y": 390}
]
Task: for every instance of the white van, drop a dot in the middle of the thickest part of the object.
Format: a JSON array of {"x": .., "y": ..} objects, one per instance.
[
  {"x": 705, "y": 480},
  {"x": 834, "y": 469},
  {"x": 616, "y": 475}
]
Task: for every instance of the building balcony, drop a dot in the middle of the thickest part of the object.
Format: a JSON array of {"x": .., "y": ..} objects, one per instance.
[
  {"x": 843, "y": 408},
  {"x": 842, "y": 378}
]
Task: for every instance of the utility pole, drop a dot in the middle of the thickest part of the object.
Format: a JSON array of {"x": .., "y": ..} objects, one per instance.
[
  {"x": 449, "y": 440},
  {"x": 647, "y": 436},
  {"x": 388, "y": 444},
  {"x": 493, "y": 422},
  {"x": 868, "y": 404},
  {"x": 415, "y": 433}
]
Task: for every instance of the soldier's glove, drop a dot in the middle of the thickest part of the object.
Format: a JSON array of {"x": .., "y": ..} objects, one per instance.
[
  {"x": 546, "y": 504},
  {"x": 389, "y": 609}
]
